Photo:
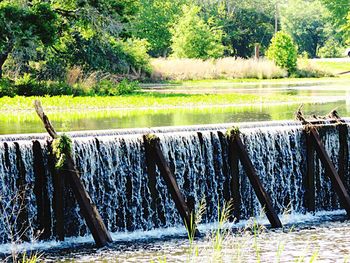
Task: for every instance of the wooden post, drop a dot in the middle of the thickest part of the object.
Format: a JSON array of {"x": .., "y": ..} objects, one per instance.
[
  {"x": 41, "y": 192},
  {"x": 343, "y": 162},
  {"x": 338, "y": 185},
  {"x": 257, "y": 50},
  {"x": 58, "y": 195},
  {"x": 88, "y": 209},
  {"x": 22, "y": 218},
  {"x": 170, "y": 181},
  {"x": 235, "y": 185},
  {"x": 309, "y": 180},
  {"x": 152, "y": 182},
  {"x": 226, "y": 167},
  {"x": 7, "y": 156},
  {"x": 260, "y": 192}
]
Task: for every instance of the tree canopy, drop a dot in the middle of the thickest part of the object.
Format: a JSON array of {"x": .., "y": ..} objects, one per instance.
[{"x": 45, "y": 38}]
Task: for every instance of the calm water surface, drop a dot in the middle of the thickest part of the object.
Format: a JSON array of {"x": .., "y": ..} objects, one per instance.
[{"x": 25, "y": 122}]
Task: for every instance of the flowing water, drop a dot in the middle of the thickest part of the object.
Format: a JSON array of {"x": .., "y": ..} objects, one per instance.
[
  {"x": 145, "y": 226},
  {"x": 113, "y": 170}
]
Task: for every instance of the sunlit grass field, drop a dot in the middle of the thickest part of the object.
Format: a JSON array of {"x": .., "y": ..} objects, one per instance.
[
  {"x": 143, "y": 100},
  {"x": 336, "y": 67}
]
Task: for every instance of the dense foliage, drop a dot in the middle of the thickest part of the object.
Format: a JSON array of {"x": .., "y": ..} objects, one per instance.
[
  {"x": 43, "y": 42},
  {"x": 194, "y": 38},
  {"x": 283, "y": 51},
  {"x": 307, "y": 22}
]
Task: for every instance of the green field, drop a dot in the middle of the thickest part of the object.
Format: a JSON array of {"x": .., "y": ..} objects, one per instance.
[
  {"x": 143, "y": 100},
  {"x": 334, "y": 67}
]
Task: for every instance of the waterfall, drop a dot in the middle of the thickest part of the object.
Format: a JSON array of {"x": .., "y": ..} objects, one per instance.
[{"x": 113, "y": 170}]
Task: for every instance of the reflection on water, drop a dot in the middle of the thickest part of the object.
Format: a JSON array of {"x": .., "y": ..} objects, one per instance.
[{"x": 113, "y": 119}]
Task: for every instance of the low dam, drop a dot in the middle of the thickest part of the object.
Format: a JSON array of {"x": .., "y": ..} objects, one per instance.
[{"x": 113, "y": 169}]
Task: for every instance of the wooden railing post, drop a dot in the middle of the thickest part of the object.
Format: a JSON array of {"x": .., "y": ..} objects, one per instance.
[{"x": 247, "y": 164}]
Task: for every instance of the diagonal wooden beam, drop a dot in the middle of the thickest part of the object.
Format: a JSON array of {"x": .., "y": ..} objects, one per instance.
[
  {"x": 88, "y": 209},
  {"x": 169, "y": 178},
  {"x": 264, "y": 199},
  {"x": 332, "y": 173}
]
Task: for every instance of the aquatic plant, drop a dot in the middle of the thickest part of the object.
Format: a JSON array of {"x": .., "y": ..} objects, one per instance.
[{"x": 61, "y": 147}]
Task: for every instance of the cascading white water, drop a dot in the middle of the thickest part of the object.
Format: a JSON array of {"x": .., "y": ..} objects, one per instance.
[{"x": 113, "y": 170}]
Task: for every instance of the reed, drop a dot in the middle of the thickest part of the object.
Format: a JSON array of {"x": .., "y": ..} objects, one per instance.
[
  {"x": 227, "y": 68},
  {"x": 222, "y": 244}
]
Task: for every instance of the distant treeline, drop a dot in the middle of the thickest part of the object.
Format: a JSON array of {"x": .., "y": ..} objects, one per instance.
[{"x": 46, "y": 38}]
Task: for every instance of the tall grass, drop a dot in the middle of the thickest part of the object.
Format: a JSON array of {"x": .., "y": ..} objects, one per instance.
[
  {"x": 10, "y": 210},
  {"x": 310, "y": 69},
  {"x": 222, "y": 244},
  {"x": 192, "y": 69}
]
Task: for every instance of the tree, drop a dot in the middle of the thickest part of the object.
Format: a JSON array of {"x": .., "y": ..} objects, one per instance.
[
  {"x": 244, "y": 23},
  {"x": 22, "y": 26},
  {"x": 340, "y": 15},
  {"x": 193, "y": 38},
  {"x": 56, "y": 35},
  {"x": 306, "y": 22},
  {"x": 153, "y": 22},
  {"x": 283, "y": 51}
]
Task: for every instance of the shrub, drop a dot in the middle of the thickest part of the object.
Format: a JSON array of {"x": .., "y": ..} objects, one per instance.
[
  {"x": 109, "y": 88},
  {"x": 283, "y": 51},
  {"x": 130, "y": 54},
  {"x": 27, "y": 86},
  {"x": 7, "y": 88},
  {"x": 193, "y": 38},
  {"x": 127, "y": 87},
  {"x": 331, "y": 49}
]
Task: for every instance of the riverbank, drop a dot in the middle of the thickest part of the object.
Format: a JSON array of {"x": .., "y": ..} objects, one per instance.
[
  {"x": 154, "y": 109},
  {"x": 144, "y": 100}
]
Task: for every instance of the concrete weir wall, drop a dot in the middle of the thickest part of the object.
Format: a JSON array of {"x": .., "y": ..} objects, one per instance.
[{"x": 112, "y": 166}]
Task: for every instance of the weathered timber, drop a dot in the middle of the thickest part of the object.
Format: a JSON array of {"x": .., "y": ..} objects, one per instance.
[
  {"x": 22, "y": 216},
  {"x": 152, "y": 183},
  {"x": 7, "y": 156},
  {"x": 225, "y": 166},
  {"x": 41, "y": 192},
  {"x": 235, "y": 186},
  {"x": 58, "y": 195},
  {"x": 88, "y": 209},
  {"x": 343, "y": 162},
  {"x": 338, "y": 185},
  {"x": 309, "y": 179},
  {"x": 170, "y": 181},
  {"x": 260, "y": 192}
]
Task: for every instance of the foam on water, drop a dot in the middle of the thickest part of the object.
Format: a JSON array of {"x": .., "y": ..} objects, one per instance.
[{"x": 290, "y": 219}]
